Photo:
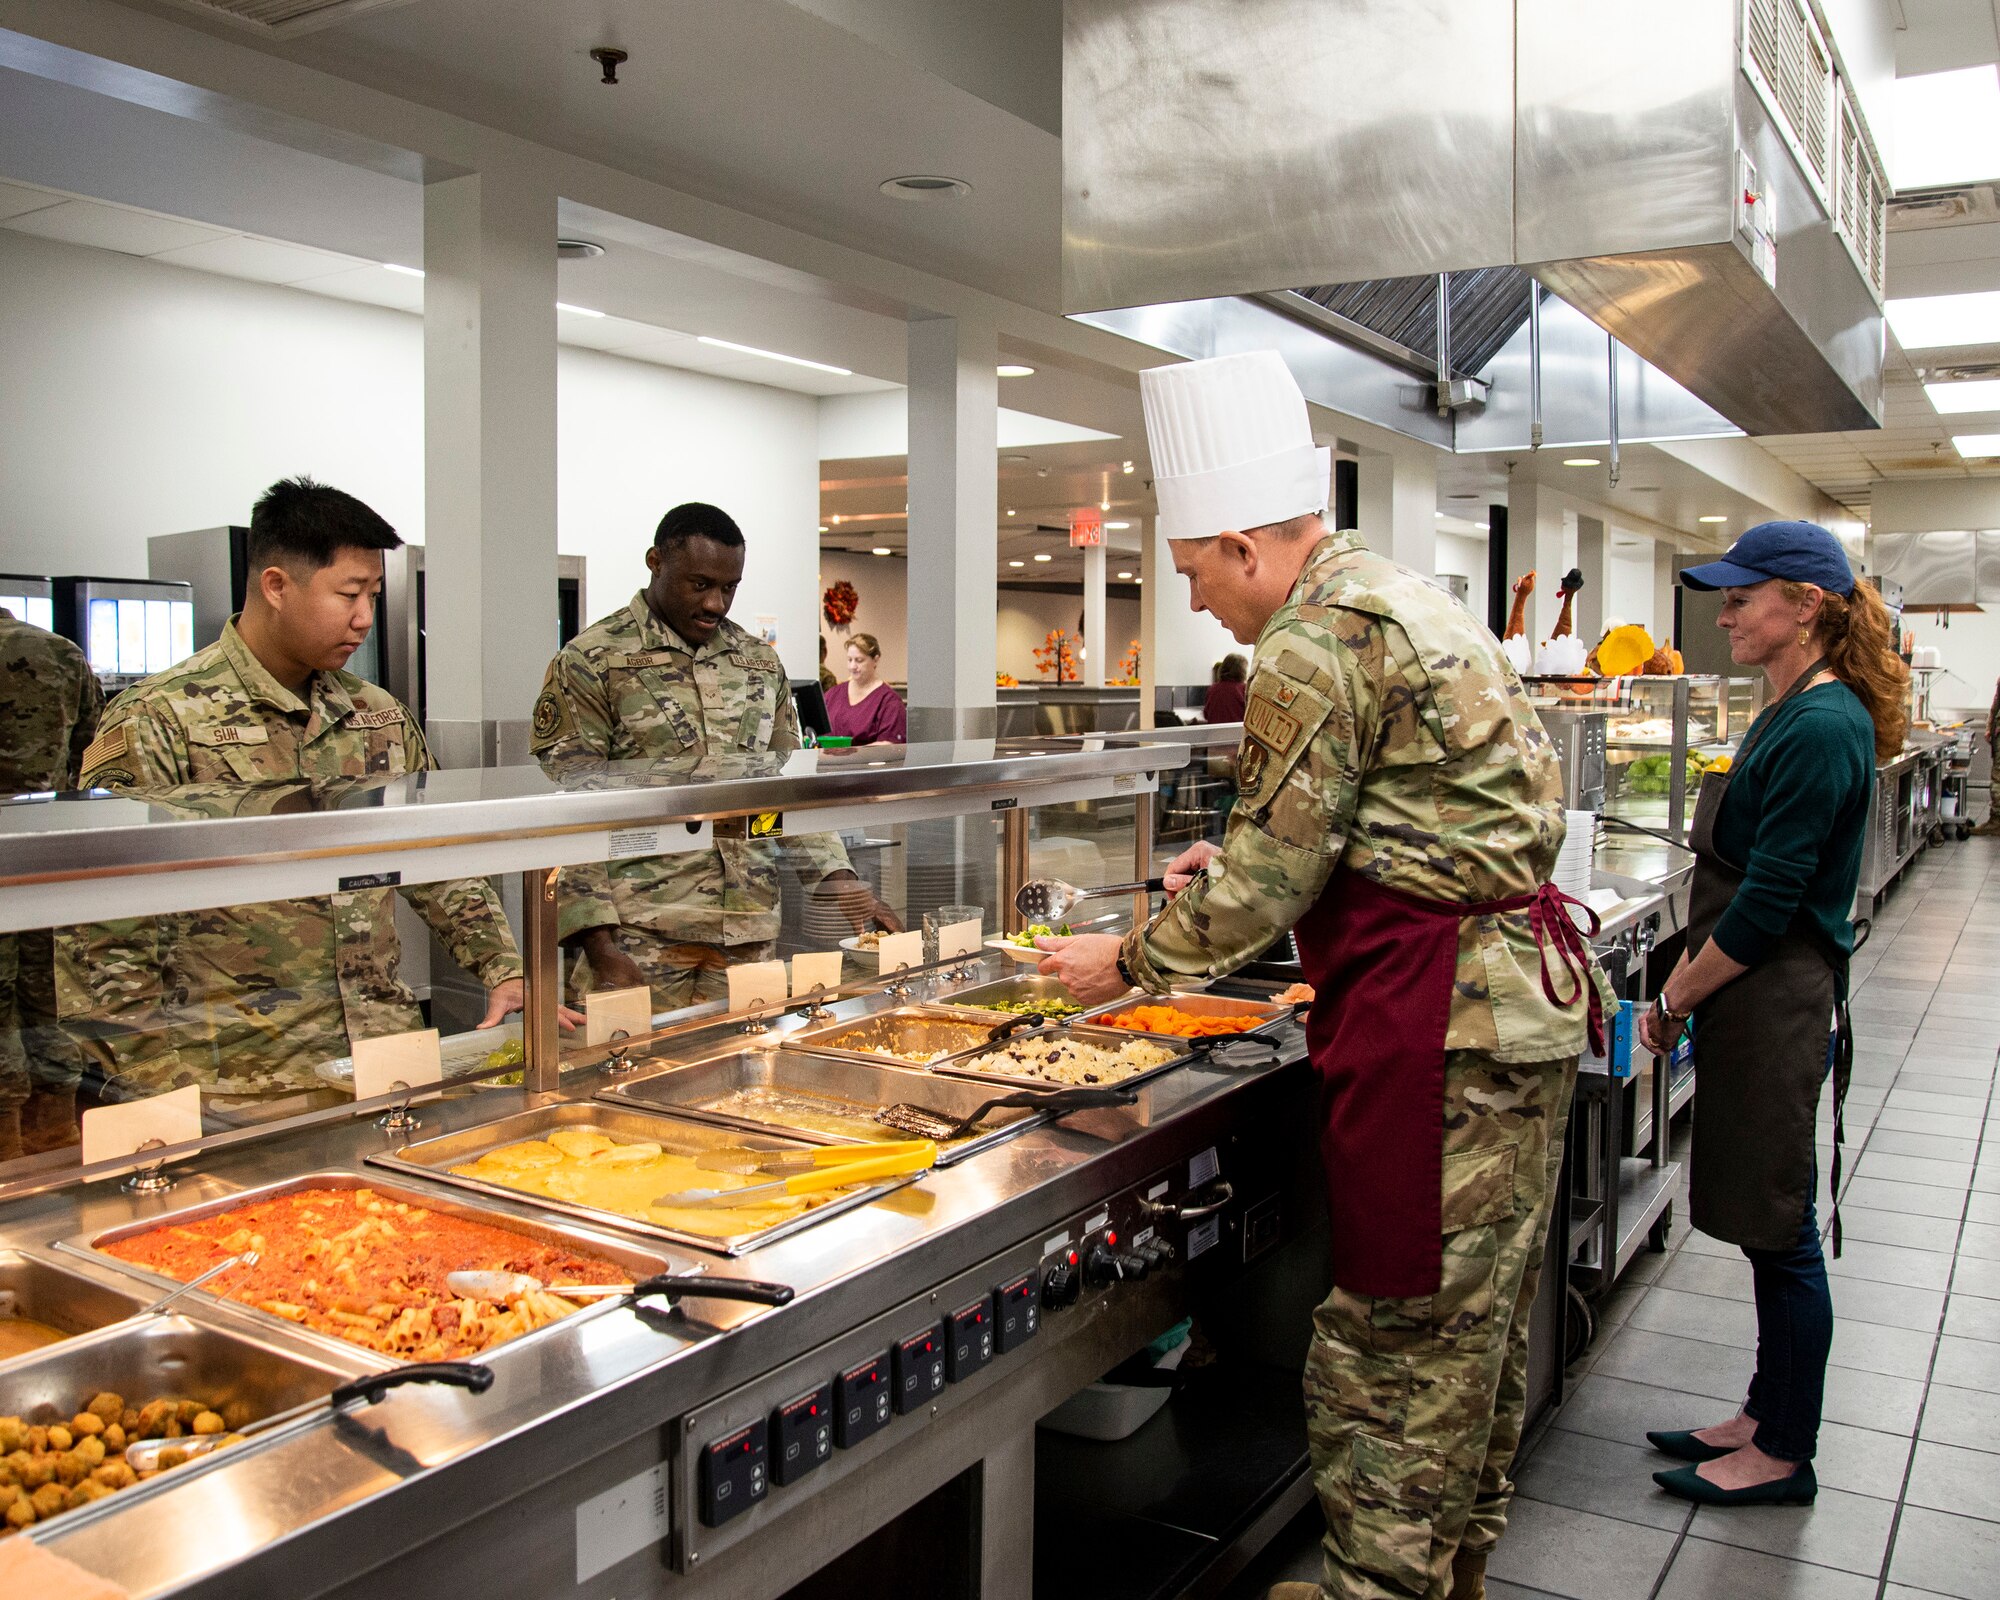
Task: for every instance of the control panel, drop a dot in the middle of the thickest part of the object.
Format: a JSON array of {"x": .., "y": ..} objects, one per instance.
[{"x": 827, "y": 1413}]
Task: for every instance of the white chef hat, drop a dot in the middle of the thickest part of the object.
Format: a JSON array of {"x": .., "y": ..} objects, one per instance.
[{"x": 1231, "y": 445}]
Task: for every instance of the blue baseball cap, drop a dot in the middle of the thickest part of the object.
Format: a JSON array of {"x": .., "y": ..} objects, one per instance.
[{"x": 1802, "y": 552}]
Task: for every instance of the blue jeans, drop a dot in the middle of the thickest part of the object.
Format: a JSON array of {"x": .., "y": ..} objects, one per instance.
[{"x": 1794, "y": 1334}]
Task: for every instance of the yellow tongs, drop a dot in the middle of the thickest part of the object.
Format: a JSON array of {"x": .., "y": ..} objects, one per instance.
[
  {"x": 834, "y": 1167},
  {"x": 783, "y": 1163}
]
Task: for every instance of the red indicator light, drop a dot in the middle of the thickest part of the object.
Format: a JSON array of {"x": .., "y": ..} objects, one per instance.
[
  {"x": 812, "y": 1411},
  {"x": 1072, "y": 1258},
  {"x": 1111, "y": 1238}
]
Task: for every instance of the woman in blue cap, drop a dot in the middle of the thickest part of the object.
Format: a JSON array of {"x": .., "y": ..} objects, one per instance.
[{"x": 1777, "y": 842}]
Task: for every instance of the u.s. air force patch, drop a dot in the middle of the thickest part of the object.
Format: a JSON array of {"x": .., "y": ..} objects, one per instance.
[{"x": 551, "y": 714}]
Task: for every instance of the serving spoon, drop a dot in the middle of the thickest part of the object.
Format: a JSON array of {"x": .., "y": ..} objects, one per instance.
[
  {"x": 1046, "y": 899},
  {"x": 501, "y": 1286}
]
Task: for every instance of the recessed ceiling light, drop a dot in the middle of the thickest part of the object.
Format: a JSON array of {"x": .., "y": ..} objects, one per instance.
[
  {"x": 1977, "y": 444},
  {"x": 1439, "y": 515},
  {"x": 1138, "y": 580},
  {"x": 408, "y": 272},
  {"x": 1013, "y": 369},
  {"x": 577, "y": 250},
  {"x": 925, "y": 186},
  {"x": 1118, "y": 527},
  {"x": 1044, "y": 556},
  {"x": 1947, "y": 127},
  {"x": 1711, "y": 519},
  {"x": 1581, "y": 461},
  {"x": 822, "y": 527},
  {"x": 835, "y": 518},
  {"x": 578, "y": 311},
  {"x": 1124, "y": 574},
  {"x": 1463, "y": 497},
  {"x": 1010, "y": 511},
  {"x": 1949, "y": 398},
  {"x": 1104, "y": 505},
  {"x": 773, "y": 355},
  {"x": 881, "y": 550},
  {"x": 1015, "y": 458},
  {"x": 1017, "y": 563},
  {"x": 1128, "y": 466},
  {"x": 1483, "y": 527},
  {"x": 1927, "y": 321}
]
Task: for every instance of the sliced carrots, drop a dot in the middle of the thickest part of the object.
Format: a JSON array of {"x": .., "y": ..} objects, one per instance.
[{"x": 1178, "y": 1023}]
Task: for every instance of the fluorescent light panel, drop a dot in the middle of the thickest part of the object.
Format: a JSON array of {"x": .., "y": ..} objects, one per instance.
[
  {"x": 773, "y": 355},
  {"x": 577, "y": 311},
  {"x": 1945, "y": 128},
  {"x": 1950, "y": 399},
  {"x": 1977, "y": 446},
  {"x": 1925, "y": 322}
]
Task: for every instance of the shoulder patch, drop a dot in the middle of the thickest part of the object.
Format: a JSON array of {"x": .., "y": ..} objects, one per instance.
[
  {"x": 113, "y": 777},
  {"x": 1250, "y": 766},
  {"x": 107, "y": 746},
  {"x": 551, "y": 715},
  {"x": 1274, "y": 726},
  {"x": 387, "y": 717}
]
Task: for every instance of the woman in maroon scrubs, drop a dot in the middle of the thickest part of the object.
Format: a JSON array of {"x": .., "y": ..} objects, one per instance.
[{"x": 865, "y": 708}]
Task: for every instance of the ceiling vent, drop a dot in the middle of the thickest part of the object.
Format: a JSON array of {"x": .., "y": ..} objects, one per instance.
[
  {"x": 284, "y": 19},
  {"x": 1944, "y": 208}
]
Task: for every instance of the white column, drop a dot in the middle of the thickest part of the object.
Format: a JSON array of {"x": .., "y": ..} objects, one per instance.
[
  {"x": 1180, "y": 646},
  {"x": 954, "y": 401},
  {"x": 1149, "y": 624},
  {"x": 1094, "y": 637},
  {"x": 489, "y": 461},
  {"x": 1593, "y": 559},
  {"x": 1535, "y": 543},
  {"x": 1666, "y": 567},
  {"x": 1397, "y": 493}
]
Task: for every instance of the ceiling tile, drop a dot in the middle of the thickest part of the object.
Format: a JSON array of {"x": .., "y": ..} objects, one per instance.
[
  {"x": 133, "y": 233},
  {"x": 373, "y": 285},
  {"x": 17, "y": 200},
  {"x": 263, "y": 260}
]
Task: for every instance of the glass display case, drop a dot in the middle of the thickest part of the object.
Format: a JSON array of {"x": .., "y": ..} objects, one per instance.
[{"x": 1662, "y": 734}]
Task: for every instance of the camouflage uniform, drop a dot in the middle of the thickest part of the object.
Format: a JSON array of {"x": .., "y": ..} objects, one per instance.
[
  {"x": 1386, "y": 735},
  {"x": 49, "y": 707},
  {"x": 246, "y": 1000},
  {"x": 630, "y": 689}
]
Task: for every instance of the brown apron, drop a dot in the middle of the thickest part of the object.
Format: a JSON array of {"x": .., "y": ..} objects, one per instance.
[{"x": 1760, "y": 1054}]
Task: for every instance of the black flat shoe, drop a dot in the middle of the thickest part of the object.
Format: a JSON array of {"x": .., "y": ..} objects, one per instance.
[
  {"x": 1684, "y": 1446},
  {"x": 1800, "y": 1489}
]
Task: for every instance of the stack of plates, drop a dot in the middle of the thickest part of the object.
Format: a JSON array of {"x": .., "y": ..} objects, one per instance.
[{"x": 1572, "y": 873}]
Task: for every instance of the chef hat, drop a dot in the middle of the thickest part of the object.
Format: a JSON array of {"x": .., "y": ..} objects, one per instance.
[{"x": 1231, "y": 445}]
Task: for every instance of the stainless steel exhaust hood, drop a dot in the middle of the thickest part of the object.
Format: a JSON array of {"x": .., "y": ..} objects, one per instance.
[{"x": 1696, "y": 179}]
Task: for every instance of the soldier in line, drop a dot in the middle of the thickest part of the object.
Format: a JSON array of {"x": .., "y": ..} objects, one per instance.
[
  {"x": 1401, "y": 809},
  {"x": 670, "y": 679},
  {"x": 49, "y": 707},
  {"x": 246, "y": 1000}
]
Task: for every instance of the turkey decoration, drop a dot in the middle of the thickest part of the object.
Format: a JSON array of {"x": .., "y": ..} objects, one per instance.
[
  {"x": 838, "y": 603},
  {"x": 1566, "y": 622}
]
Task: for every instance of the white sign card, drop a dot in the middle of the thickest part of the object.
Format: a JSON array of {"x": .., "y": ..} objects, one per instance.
[
  {"x": 958, "y": 939},
  {"x": 110, "y": 1132},
  {"x": 756, "y": 985},
  {"x": 408, "y": 1058},
  {"x": 815, "y": 969},
  {"x": 896, "y": 951},
  {"x": 607, "y": 1011}
]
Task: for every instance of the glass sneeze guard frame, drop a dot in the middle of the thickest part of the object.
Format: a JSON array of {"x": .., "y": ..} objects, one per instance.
[{"x": 67, "y": 859}]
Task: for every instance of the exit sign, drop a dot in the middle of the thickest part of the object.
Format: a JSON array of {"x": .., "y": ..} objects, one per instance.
[{"x": 1086, "y": 529}]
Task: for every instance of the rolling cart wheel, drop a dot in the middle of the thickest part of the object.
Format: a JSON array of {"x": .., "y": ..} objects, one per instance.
[
  {"x": 1661, "y": 1231},
  {"x": 1579, "y": 1327}
]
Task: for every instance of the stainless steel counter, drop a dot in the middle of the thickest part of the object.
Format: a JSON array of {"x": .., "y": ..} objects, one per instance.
[{"x": 337, "y": 1500}]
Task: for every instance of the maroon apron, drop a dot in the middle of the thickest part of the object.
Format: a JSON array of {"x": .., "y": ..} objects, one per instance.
[{"x": 1381, "y": 963}]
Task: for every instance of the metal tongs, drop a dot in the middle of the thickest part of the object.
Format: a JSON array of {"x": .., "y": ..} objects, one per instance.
[
  {"x": 1046, "y": 899},
  {"x": 499, "y": 1287},
  {"x": 143, "y": 1455},
  {"x": 247, "y": 1258},
  {"x": 1052, "y": 1103}
]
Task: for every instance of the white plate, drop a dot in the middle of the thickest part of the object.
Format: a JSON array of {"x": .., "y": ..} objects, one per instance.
[
  {"x": 1018, "y": 952},
  {"x": 854, "y": 946}
]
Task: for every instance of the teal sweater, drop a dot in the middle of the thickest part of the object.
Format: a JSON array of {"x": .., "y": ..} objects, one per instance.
[{"x": 1794, "y": 820}]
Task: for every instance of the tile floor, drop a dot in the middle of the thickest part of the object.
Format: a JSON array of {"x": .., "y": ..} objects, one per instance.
[{"x": 1909, "y": 1462}]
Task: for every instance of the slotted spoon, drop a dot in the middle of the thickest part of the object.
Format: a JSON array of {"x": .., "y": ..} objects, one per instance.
[{"x": 1046, "y": 899}]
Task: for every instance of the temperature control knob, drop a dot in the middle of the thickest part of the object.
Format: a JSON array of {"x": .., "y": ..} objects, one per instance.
[
  {"x": 1104, "y": 1265},
  {"x": 1060, "y": 1284}
]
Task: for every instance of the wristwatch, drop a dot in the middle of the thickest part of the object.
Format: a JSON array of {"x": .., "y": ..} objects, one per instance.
[{"x": 1671, "y": 1024}]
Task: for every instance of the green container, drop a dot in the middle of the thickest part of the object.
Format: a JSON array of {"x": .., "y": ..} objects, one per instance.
[{"x": 835, "y": 741}]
